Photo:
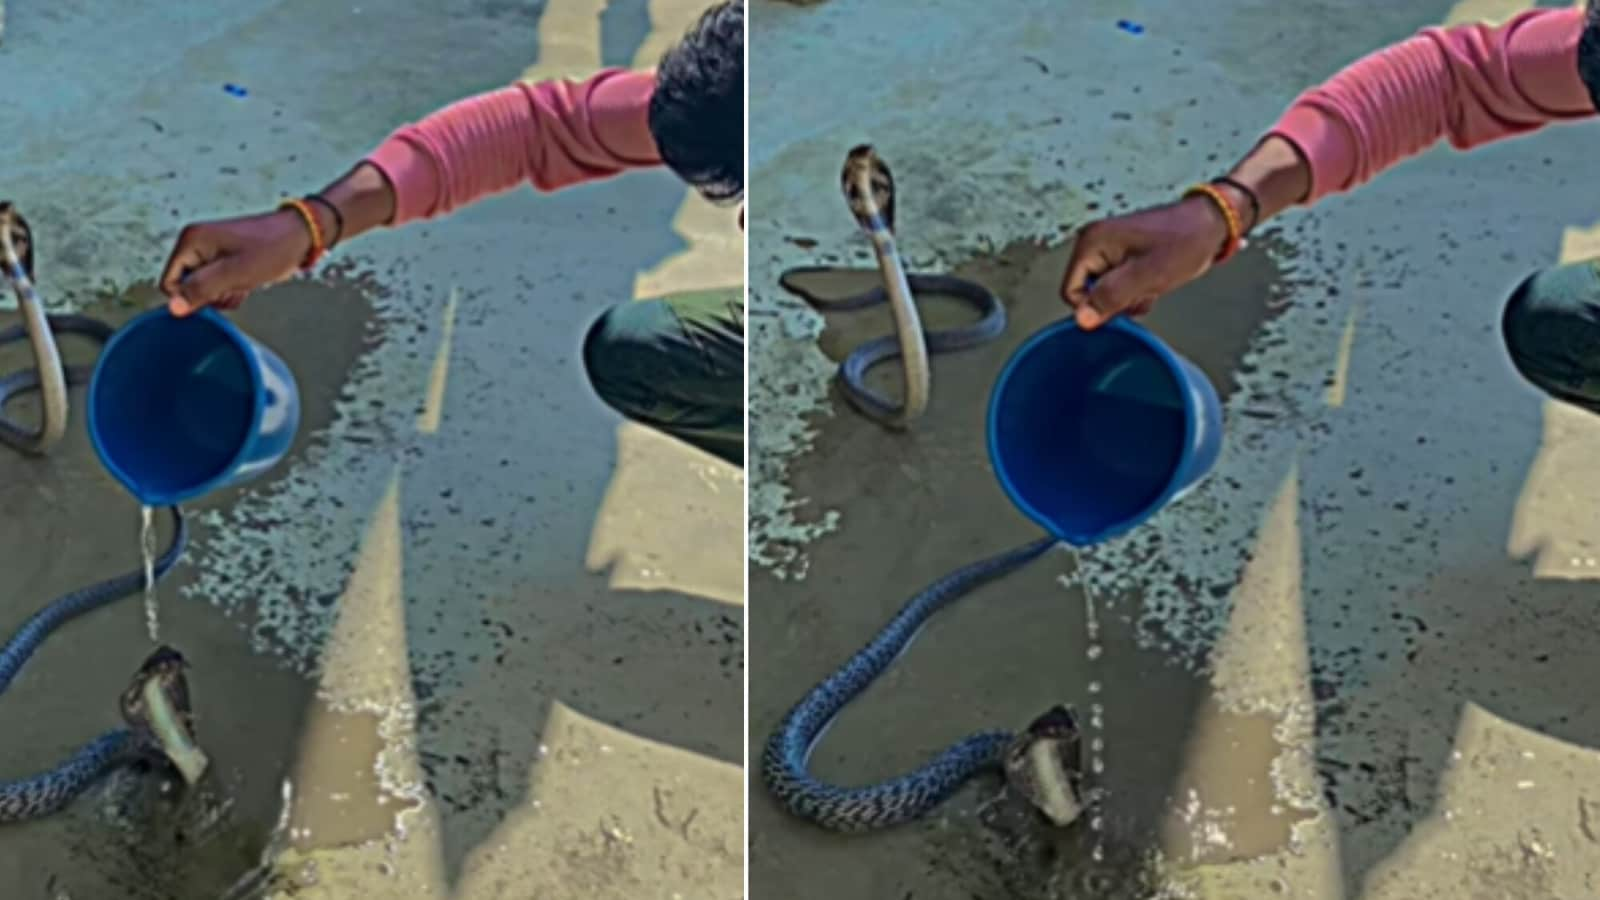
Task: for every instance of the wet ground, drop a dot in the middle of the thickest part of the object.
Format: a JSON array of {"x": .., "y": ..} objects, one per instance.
[
  {"x": 924, "y": 483},
  {"x": 451, "y": 620},
  {"x": 1349, "y": 665}
]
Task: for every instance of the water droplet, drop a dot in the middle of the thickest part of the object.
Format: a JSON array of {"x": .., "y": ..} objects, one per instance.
[
  {"x": 1094, "y": 687},
  {"x": 1094, "y": 651}
]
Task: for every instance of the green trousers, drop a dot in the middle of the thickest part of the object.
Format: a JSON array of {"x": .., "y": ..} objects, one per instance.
[
  {"x": 676, "y": 365},
  {"x": 1551, "y": 327}
]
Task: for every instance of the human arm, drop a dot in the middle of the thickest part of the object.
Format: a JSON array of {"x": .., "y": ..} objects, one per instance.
[
  {"x": 551, "y": 135},
  {"x": 1469, "y": 84}
]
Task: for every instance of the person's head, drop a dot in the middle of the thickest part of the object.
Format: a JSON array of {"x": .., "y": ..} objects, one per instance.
[{"x": 697, "y": 110}]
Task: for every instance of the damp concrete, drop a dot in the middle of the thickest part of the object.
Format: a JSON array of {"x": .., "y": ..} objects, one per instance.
[
  {"x": 448, "y": 648},
  {"x": 1348, "y": 665}
]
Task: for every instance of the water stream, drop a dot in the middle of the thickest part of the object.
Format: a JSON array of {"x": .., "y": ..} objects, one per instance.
[
  {"x": 147, "y": 547},
  {"x": 1095, "y": 651}
]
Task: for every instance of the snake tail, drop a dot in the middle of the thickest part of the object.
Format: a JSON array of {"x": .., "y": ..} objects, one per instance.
[
  {"x": 852, "y": 372},
  {"x": 785, "y": 761}
]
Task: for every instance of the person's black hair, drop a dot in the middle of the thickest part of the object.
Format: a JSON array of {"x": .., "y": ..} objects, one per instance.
[
  {"x": 1589, "y": 51},
  {"x": 697, "y": 110}
]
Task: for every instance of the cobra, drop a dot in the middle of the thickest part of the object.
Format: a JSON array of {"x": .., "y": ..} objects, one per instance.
[
  {"x": 1043, "y": 762},
  {"x": 155, "y": 708}
]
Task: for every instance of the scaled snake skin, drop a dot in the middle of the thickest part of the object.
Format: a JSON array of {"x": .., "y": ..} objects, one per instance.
[{"x": 868, "y": 188}]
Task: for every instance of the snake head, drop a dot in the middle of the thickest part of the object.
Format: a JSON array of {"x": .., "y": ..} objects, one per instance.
[
  {"x": 1044, "y": 763},
  {"x": 868, "y": 187},
  {"x": 14, "y": 231},
  {"x": 156, "y": 706}
]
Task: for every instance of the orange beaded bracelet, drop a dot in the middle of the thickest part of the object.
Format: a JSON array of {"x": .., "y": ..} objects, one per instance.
[
  {"x": 1229, "y": 215},
  {"x": 318, "y": 246}
]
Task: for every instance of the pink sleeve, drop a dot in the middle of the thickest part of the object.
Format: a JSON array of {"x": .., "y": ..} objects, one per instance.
[
  {"x": 551, "y": 134},
  {"x": 1471, "y": 84}
]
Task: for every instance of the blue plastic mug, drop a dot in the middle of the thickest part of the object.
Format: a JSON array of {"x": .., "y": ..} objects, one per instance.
[
  {"x": 1093, "y": 432},
  {"x": 179, "y": 407}
]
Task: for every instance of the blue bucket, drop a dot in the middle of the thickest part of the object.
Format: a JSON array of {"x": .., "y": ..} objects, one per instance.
[
  {"x": 1093, "y": 432},
  {"x": 179, "y": 407}
]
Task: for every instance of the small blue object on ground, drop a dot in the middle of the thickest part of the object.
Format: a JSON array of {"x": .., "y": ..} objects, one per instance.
[
  {"x": 235, "y": 91},
  {"x": 181, "y": 407},
  {"x": 1093, "y": 432},
  {"x": 1130, "y": 27}
]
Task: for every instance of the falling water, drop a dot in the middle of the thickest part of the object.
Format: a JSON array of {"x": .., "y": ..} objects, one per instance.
[
  {"x": 1094, "y": 650},
  {"x": 147, "y": 546}
]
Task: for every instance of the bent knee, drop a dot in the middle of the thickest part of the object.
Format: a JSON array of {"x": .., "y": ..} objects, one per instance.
[
  {"x": 620, "y": 351},
  {"x": 1551, "y": 330},
  {"x": 1519, "y": 324}
]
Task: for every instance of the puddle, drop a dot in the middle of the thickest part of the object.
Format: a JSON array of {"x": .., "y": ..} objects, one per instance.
[
  {"x": 913, "y": 507},
  {"x": 68, "y": 524},
  {"x": 338, "y": 796},
  {"x": 1223, "y": 807}
]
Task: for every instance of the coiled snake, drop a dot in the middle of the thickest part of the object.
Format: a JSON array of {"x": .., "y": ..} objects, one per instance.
[
  {"x": 1043, "y": 762},
  {"x": 156, "y": 705}
]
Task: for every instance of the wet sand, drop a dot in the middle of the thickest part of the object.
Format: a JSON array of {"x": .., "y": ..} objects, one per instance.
[{"x": 919, "y": 505}]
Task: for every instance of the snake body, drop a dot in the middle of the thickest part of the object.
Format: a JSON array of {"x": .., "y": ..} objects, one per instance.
[
  {"x": 868, "y": 186},
  {"x": 785, "y": 762},
  {"x": 42, "y": 795},
  {"x": 1042, "y": 762},
  {"x": 853, "y": 370},
  {"x": 30, "y": 798}
]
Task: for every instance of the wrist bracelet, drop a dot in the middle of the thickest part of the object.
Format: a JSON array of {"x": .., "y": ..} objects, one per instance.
[
  {"x": 338, "y": 217},
  {"x": 1250, "y": 196},
  {"x": 1231, "y": 245},
  {"x": 317, "y": 246}
]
